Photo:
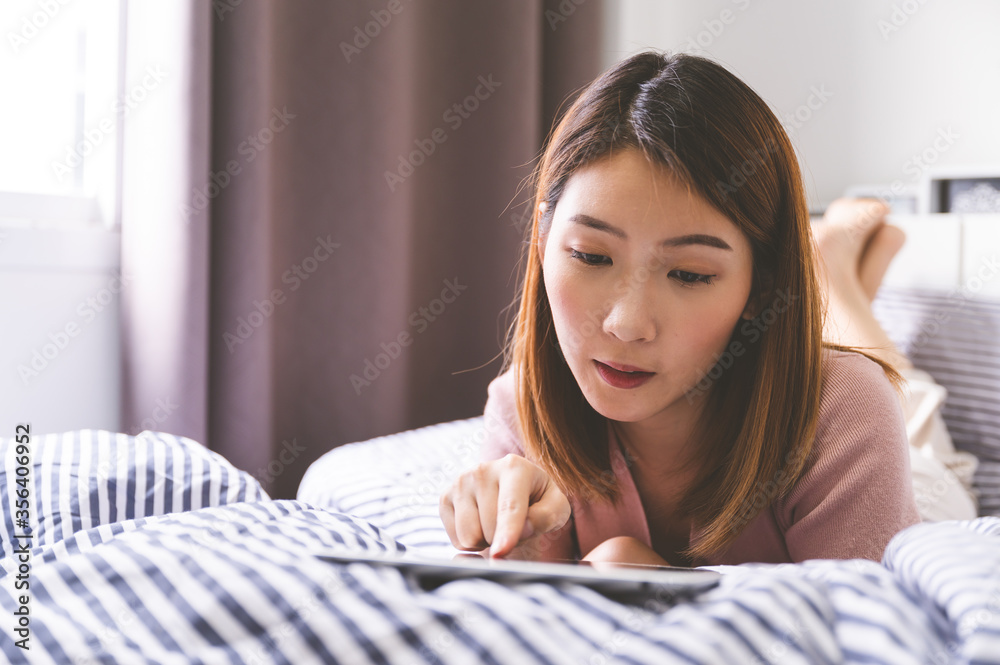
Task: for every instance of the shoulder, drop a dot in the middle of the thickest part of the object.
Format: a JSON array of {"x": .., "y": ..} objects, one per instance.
[
  {"x": 502, "y": 388},
  {"x": 860, "y": 414},
  {"x": 851, "y": 377},
  {"x": 855, "y": 491},
  {"x": 500, "y": 418},
  {"x": 856, "y": 396}
]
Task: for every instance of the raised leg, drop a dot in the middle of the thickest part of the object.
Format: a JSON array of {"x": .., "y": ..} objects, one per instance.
[{"x": 855, "y": 247}]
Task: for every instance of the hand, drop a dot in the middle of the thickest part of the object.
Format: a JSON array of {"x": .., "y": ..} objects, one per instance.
[{"x": 500, "y": 504}]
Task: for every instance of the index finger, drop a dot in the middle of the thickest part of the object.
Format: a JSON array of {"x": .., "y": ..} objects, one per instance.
[{"x": 513, "y": 500}]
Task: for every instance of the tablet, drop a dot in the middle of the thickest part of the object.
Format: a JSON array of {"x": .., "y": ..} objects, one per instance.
[{"x": 610, "y": 579}]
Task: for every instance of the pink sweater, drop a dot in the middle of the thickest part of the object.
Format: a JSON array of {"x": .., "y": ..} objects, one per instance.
[{"x": 854, "y": 495}]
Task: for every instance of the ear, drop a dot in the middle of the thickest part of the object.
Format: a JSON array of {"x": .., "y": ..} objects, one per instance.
[{"x": 762, "y": 287}]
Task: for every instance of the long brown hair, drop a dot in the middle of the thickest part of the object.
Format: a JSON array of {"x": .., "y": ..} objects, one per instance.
[{"x": 721, "y": 139}]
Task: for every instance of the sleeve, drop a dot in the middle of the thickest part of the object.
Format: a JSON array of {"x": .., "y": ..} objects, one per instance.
[
  {"x": 856, "y": 490},
  {"x": 500, "y": 420}
]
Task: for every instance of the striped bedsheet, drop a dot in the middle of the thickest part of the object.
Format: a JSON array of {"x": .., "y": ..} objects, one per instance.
[{"x": 229, "y": 578}]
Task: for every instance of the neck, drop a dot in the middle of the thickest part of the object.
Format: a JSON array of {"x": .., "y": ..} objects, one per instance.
[{"x": 666, "y": 444}]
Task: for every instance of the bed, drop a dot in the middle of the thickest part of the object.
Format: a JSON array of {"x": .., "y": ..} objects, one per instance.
[{"x": 152, "y": 549}]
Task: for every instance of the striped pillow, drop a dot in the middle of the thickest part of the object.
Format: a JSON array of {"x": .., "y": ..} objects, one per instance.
[
  {"x": 957, "y": 341},
  {"x": 395, "y": 481},
  {"x": 86, "y": 478}
]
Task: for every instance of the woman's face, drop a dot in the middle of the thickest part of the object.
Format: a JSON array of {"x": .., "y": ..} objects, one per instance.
[{"x": 646, "y": 282}]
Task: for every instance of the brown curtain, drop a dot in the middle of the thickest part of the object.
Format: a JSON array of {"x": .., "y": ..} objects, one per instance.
[{"x": 367, "y": 212}]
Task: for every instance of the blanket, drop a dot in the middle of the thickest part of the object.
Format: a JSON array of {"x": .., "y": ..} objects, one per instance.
[{"x": 231, "y": 578}]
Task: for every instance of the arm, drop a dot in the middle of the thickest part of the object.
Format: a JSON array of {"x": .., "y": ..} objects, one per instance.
[
  {"x": 625, "y": 549},
  {"x": 856, "y": 491}
]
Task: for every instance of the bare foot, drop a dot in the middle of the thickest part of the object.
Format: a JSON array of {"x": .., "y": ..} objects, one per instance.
[
  {"x": 844, "y": 234},
  {"x": 854, "y": 234},
  {"x": 882, "y": 247},
  {"x": 854, "y": 241}
]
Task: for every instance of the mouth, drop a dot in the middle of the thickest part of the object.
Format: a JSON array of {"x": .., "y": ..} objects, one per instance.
[{"x": 622, "y": 376}]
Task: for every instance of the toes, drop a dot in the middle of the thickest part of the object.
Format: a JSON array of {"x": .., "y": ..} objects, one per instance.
[
  {"x": 849, "y": 209},
  {"x": 860, "y": 217}
]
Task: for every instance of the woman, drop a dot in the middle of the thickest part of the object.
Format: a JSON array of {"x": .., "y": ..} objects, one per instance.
[{"x": 668, "y": 397}]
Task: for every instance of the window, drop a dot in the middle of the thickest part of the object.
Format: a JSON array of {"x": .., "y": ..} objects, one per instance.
[{"x": 62, "y": 69}]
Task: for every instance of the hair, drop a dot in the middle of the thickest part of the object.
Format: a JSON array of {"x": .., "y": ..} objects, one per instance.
[{"x": 720, "y": 139}]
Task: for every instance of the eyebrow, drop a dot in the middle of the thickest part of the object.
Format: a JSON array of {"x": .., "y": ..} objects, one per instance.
[{"x": 678, "y": 241}]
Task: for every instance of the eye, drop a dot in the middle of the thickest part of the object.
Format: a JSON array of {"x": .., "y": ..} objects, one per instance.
[
  {"x": 590, "y": 259},
  {"x": 691, "y": 278}
]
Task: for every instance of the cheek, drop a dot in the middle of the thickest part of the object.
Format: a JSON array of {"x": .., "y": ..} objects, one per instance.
[
  {"x": 712, "y": 328},
  {"x": 717, "y": 336},
  {"x": 570, "y": 306}
]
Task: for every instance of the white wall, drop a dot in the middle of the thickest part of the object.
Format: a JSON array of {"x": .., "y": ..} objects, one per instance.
[
  {"x": 59, "y": 300},
  {"x": 892, "y": 87}
]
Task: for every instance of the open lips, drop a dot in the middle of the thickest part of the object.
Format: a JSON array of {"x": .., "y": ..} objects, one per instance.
[{"x": 622, "y": 376}]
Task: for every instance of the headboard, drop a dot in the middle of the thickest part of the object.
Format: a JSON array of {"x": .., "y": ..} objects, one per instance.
[{"x": 948, "y": 252}]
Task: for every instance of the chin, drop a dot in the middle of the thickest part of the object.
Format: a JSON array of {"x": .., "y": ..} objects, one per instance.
[{"x": 621, "y": 409}]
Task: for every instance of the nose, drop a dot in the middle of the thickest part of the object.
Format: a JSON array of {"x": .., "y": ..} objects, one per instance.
[{"x": 631, "y": 316}]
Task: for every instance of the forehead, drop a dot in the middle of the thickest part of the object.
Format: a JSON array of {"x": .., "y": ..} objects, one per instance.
[{"x": 626, "y": 190}]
